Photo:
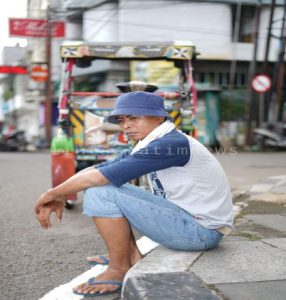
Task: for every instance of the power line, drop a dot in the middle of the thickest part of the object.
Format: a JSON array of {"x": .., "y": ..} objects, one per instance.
[
  {"x": 193, "y": 29},
  {"x": 149, "y": 7},
  {"x": 181, "y": 28},
  {"x": 113, "y": 12},
  {"x": 187, "y": 29}
]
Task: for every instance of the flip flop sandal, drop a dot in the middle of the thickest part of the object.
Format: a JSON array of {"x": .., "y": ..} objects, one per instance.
[
  {"x": 92, "y": 281},
  {"x": 104, "y": 259}
]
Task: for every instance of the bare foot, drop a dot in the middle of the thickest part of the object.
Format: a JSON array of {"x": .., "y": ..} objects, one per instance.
[{"x": 109, "y": 274}]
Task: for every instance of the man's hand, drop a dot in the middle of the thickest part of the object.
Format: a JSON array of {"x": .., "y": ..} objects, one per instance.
[
  {"x": 47, "y": 198},
  {"x": 43, "y": 213},
  {"x": 54, "y": 199}
]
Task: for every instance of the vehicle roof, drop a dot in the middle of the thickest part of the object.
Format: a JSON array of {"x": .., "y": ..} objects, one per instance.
[{"x": 175, "y": 50}]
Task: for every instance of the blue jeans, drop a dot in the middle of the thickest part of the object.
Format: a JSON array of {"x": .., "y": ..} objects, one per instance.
[{"x": 153, "y": 216}]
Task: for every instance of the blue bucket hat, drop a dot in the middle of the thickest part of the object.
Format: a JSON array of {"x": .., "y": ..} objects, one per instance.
[{"x": 138, "y": 104}]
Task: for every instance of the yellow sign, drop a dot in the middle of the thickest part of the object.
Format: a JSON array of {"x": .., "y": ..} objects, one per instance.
[{"x": 157, "y": 72}]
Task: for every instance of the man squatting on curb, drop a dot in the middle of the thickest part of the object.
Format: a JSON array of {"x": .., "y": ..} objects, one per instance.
[{"x": 190, "y": 208}]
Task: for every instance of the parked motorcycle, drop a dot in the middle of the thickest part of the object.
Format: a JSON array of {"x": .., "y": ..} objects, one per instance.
[
  {"x": 14, "y": 141},
  {"x": 269, "y": 138}
]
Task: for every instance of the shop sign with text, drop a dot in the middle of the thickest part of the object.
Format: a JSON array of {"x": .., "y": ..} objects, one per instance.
[{"x": 35, "y": 28}]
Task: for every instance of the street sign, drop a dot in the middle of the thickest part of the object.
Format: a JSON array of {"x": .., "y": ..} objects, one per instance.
[
  {"x": 261, "y": 83},
  {"x": 35, "y": 28},
  {"x": 39, "y": 73}
]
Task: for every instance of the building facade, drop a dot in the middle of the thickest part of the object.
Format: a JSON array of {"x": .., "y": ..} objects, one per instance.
[{"x": 222, "y": 31}]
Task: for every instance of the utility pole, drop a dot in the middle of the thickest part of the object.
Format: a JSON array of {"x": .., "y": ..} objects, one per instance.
[
  {"x": 49, "y": 92},
  {"x": 233, "y": 64},
  {"x": 235, "y": 40},
  {"x": 12, "y": 80},
  {"x": 265, "y": 63},
  {"x": 278, "y": 75},
  {"x": 265, "y": 97},
  {"x": 252, "y": 107}
]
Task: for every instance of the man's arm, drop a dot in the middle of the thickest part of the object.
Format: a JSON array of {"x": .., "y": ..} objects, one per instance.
[
  {"x": 86, "y": 169},
  {"x": 105, "y": 163},
  {"x": 74, "y": 184}
]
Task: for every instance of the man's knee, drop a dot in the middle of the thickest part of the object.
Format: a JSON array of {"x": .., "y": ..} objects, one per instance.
[
  {"x": 100, "y": 201},
  {"x": 110, "y": 193},
  {"x": 98, "y": 191}
]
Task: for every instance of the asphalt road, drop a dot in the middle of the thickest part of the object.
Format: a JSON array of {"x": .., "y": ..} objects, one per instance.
[
  {"x": 244, "y": 169},
  {"x": 34, "y": 260}
]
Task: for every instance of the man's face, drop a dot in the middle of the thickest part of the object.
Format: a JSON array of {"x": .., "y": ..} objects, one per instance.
[{"x": 138, "y": 127}]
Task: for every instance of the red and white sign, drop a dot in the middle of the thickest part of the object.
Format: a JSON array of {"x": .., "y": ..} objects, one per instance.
[
  {"x": 261, "y": 83},
  {"x": 35, "y": 28},
  {"x": 39, "y": 73}
]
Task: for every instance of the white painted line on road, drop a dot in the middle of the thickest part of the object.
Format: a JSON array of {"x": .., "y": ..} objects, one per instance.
[{"x": 64, "y": 292}]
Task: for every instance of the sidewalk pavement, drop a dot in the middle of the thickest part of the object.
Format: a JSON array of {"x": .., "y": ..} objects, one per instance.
[{"x": 248, "y": 264}]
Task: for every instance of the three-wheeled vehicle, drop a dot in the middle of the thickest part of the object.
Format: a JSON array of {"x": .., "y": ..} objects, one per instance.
[{"x": 84, "y": 136}]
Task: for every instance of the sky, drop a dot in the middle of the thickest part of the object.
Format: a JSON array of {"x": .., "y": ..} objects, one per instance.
[{"x": 11, "y": 9}]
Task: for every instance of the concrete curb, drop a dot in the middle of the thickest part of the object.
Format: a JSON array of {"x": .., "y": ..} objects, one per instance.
[
  {"x": 164, "y": 274},
  {"x": 238, "y": 269},
  {"x": 168, "y": 286},
  {"x": 235, "y": 270}
]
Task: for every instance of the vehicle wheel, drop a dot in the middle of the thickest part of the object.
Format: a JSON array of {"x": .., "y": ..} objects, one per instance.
[
  {"x": 70, "y": 204},
  {"x": 260, "y": 140},
  {"x": 22, "y": 148}
]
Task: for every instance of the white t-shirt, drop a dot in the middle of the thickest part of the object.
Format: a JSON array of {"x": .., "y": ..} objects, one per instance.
[{"x": 184, "y": 172}]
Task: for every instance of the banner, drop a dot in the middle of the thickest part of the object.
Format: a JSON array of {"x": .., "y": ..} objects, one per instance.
[
  {"x": 13, "y": 70},
  {"x": 35, "y": 28}
]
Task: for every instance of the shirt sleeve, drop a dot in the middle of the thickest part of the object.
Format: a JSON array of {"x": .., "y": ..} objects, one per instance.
[
  {"x": 158, "y": 155},
  {"x": 111, "y": 161}
]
